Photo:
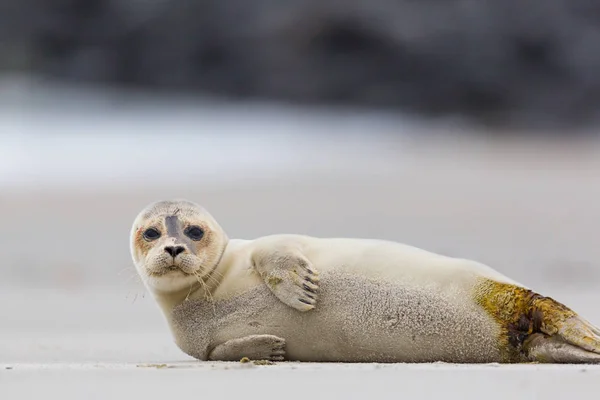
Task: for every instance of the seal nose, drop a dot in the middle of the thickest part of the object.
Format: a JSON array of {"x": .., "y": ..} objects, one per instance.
[{"x": 174, "y": 250}]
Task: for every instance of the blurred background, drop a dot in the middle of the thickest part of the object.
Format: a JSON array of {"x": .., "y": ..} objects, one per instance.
[{"x": 465, "y": 127}]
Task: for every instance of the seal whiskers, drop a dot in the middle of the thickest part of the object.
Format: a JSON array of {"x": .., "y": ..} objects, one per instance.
[{"x": 207, "y": 296}]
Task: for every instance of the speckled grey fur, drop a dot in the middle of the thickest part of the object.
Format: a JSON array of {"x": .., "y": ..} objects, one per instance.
[{"x": 357, "y": 320}]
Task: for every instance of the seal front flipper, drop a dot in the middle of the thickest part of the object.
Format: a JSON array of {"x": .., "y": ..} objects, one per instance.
[
  {"x": 289, "y": 275},
  {"x": 254, "y": 347}
]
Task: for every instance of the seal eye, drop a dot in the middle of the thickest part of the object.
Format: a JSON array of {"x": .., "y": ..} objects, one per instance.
[
  {"x": 194, "y": 232},
  {"x": 151, "y": 234}
]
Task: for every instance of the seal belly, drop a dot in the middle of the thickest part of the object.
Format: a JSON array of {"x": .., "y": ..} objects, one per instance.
[
  {"x": 363, "y": 320},
  {"x": 358, "y": 320}
]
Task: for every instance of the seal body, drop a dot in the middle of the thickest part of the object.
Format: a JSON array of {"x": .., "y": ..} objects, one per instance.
[
  {"x": 301, "y": 298},
  {"x": 378, "y": 302}
]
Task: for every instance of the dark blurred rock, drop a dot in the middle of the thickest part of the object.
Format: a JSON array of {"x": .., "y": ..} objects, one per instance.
[{"x": 537, "y": 60}]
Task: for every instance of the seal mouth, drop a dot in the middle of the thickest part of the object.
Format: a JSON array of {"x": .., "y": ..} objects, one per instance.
[{"x": 167, "y": 270}]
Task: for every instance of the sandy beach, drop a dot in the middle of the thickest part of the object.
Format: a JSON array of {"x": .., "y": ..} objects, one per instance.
[{"x": 75, "y": 322}]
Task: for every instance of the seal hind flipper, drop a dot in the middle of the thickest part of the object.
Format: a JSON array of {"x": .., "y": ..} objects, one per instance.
[
  {"x": 253, "y": 347},
  {"x": 535, "y": 327},
  {"x": 553, "y": 349},
  {"x": 289, "y": 275},
  {"x": 580, "y": 333}
]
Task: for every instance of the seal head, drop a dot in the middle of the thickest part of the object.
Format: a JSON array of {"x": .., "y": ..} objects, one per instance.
[{"x": 175, "y": 243}]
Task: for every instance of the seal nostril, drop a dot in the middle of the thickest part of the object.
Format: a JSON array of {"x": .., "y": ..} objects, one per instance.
[
  {"x": 179, "y": 250},
  {"x": 174, "y": 250}
]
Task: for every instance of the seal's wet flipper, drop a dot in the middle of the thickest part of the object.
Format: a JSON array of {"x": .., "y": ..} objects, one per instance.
[
  {"x": 290, "y": 276},
  {"x": 254, "y": 347},
  {"x": 578, "y": 332},
  {"x": 538, "y": 328},
  {"x": 562, "y": 323},
  {"x": 553, "y": 349}
]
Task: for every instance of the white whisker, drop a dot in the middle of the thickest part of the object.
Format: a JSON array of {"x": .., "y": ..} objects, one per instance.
[{"x": 208, "y": 296}]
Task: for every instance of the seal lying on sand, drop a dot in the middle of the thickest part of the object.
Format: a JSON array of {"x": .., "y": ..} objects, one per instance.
[{"x": 292, "y": 297}]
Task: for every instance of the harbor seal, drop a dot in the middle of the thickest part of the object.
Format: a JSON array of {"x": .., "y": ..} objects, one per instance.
[{"x": 301, "y": 298}]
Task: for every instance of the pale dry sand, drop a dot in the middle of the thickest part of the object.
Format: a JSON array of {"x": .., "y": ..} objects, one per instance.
[{"x": 299, "y": 381}]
